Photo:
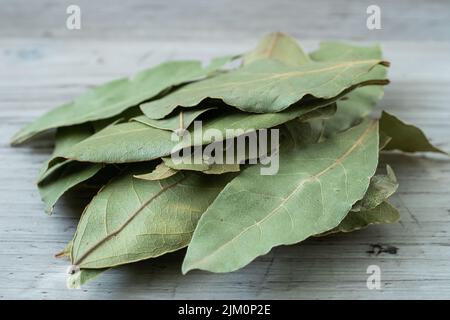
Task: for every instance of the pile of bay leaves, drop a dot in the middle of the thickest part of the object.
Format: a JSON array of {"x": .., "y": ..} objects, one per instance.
[{"x": 121, "y": 137}]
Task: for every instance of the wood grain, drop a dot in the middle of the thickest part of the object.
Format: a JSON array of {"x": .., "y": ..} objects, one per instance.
[
  {"x": 205, "y": 20},
  {"x": 39, "y": 72}
]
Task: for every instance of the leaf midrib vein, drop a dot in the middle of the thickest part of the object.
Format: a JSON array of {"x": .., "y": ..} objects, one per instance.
[
  {"x": 127, "y": 221},
  {"x": 301, "y": 184},
  {"x": 271, "y": 75}
]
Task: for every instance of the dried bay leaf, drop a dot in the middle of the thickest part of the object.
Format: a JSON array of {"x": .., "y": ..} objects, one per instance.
[
  {"x": 381, "y": 187},
  {"x": 162, "y": 171},
  {"x": 65, "y": 138},
  {"x": 359, "y": 103},
  {"x": 278, "y": 46},
  {"x": 67, "y": 177},
  {"x": 136, "y": 142},
  {"x": 338, "y": 51},
  {"x": 125, "y": 116},
  {"x": 405, "y": 137},
  {"x": 357, "y": 220},
  {"x": 356, "y": 106},
  {"x": 122, "y": 143},
  {"x": 133, "y": 219},
  {"x": 222, "y": 168},
  {"x": 301, "y": 131},
  {"x": 173, "y": 123},
  {"x": 328, "y": 156},
  {"x": 65, "y": 253},
  {"x": 59, "y": 175},
  {"x": 218, "y": 168},
  {"x": 384, "y": 140},
  {"x": 313, "y": 191},
  {"x": 114, "y": 97},
  {"x": 220, "y": 64},
  {"x": 373, "y": 208},
  {"x": 214, "y": 168},
  {"x": 270, "y": 86},
  {"x": 185, "y": 166},
  {"x": 383, "y": 213}
]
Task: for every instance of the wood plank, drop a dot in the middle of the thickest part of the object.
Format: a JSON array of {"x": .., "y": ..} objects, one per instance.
[
  {"x": 332, "y": 267},
  {"x": 222, "y": 19}
]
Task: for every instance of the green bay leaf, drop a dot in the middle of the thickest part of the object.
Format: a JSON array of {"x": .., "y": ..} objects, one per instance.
[
  {"x": 116, "y": 96},
  {"x": 218, "y": 168},
  {"x": 384, "y": 213},
  {"x": 405, "y": 137},
  {"x": 270, "y": 86},
  {"x": 136, "y": 141},
  {"x": 65, "y": 138},
  {"x": 202, "y": 166},
  {"x": 183, "y": 119},
  {"x": 381, "y": 187},
  {"x": 297, "y": 135},
  {"x": 65, "y": 253},
  {"x": 313, "y": 191},
  {"x": 133, "y": 219},
  {"x": 338, "y": 51},
  {"x": 214, "y": 168},
  {"x": 278, "y": 46},
  {"x": 63, "y": 180},
  {"x": 359, "y": 103},
  {"x": 159, "y": 173}
]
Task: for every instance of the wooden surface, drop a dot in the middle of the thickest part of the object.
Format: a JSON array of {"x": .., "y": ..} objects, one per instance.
[
  {"x": 43, "y": 65},
  {"x": 208, "y": 20}
]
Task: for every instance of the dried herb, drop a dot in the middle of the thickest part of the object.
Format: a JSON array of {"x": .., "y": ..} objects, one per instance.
[{"x": 227, "y": 214}]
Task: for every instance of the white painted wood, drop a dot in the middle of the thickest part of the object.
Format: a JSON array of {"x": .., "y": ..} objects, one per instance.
[
  {"x": 38, "y": 73},
  {"x": 206, "y": 20}
]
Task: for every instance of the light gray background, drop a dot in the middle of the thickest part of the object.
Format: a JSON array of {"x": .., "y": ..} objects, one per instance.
[{"x": 42, "y": 64}]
